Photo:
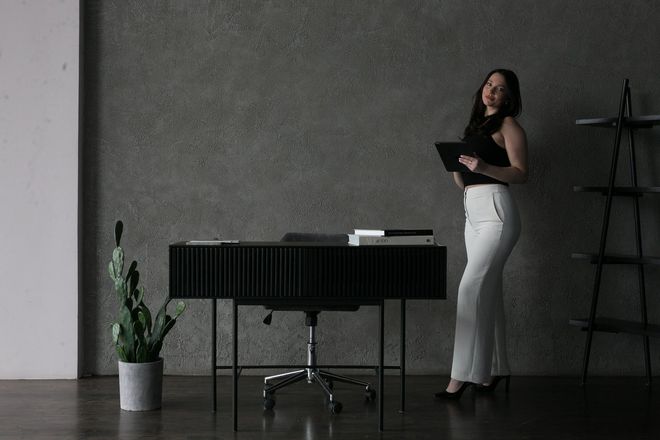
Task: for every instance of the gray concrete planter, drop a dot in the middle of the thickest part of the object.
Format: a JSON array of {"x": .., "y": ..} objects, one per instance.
[{"x": 140, "y": 385}]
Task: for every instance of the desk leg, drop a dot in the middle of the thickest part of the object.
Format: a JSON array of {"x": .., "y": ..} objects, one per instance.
[
  {"x": 234, "y": 363},
  {"x": 214, "y": 335},
  {"x": 381, "y": 364},
  {"x": 402, "y": 355}
]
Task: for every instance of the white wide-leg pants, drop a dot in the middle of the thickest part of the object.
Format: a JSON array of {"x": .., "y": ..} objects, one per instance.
[{"x": 492, "y": 227}]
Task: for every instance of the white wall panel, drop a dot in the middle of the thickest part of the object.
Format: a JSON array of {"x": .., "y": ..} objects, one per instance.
[{"x": 39, "y": 77}]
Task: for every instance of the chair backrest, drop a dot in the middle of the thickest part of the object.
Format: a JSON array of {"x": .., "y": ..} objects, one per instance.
[{"x": 313, "y": 237}]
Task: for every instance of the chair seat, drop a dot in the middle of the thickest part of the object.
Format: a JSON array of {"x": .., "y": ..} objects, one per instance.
[{"x": 302, "y": 307}]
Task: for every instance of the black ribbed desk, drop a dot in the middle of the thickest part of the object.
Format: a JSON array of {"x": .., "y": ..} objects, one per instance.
[{"x": 309, "y": 273}]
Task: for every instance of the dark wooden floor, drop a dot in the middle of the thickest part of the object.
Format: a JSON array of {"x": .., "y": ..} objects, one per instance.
[{"x": 537, "y": 408}]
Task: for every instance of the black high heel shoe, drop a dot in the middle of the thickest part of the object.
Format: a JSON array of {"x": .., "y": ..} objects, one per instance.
[
  {"x": 446, "y": 395},
  {"x": 493, "y": 384}
]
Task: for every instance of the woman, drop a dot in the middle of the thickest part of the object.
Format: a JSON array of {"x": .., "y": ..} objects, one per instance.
[{"x": 492, "y": 227}]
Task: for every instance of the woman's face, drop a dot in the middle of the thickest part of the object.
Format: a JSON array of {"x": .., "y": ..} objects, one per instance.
[{"x": 494, "y": 93}]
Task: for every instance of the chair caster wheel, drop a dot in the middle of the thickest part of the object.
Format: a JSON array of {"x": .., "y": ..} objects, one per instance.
[
  {"x": 370, "y": 395},
  {"x": 269, "y": 401},
  {"x": 335, "y": 407}
]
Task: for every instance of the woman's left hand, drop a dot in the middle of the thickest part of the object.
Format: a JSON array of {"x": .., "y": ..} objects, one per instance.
[{"x": 474, "y": 164}]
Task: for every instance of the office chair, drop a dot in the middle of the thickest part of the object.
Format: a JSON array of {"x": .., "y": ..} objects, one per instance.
[{"x": 313, "y": 374}]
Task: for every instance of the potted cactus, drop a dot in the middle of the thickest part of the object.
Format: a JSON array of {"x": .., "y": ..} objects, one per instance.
[{"x": 137, "y": 337}]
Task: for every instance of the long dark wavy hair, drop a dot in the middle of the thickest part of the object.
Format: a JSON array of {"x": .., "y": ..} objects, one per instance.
[{"x": 481, "y": 124}]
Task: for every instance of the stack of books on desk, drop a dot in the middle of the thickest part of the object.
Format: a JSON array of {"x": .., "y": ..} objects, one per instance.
[{"x": 409, "y": 237}]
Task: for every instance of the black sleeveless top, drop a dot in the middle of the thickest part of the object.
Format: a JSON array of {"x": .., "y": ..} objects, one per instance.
[{"x": 488, "y": 150}]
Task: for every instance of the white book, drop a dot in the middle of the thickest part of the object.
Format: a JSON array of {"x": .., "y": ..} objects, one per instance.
[
  {"x": 370, "y": 232},
  {"x": 410, "y": 240},
  {"x": 392, "y": 232}
]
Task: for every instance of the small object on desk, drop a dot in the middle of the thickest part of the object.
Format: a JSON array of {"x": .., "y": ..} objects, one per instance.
[
  {"x": 392, "y": 232},
  {"x": 401, "y": 240},
  {"x": 212, "y": 242}
]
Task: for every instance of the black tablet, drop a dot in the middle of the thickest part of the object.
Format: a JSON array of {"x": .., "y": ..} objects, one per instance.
[{"x": 449, "y": 152}]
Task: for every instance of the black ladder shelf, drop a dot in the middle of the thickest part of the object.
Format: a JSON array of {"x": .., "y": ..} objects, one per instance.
[{"x": 624, "y": 119}]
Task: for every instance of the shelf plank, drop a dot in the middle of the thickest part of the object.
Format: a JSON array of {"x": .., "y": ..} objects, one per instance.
[
  {"x": 635, "y": 121},
  {"x": 613, "y": 325},
  {"x": 620, "y": 190},
  {"x": 616, "y": 259}
]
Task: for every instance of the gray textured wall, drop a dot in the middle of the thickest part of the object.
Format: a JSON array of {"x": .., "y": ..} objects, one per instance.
[{"x": 245, "y": 120}]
